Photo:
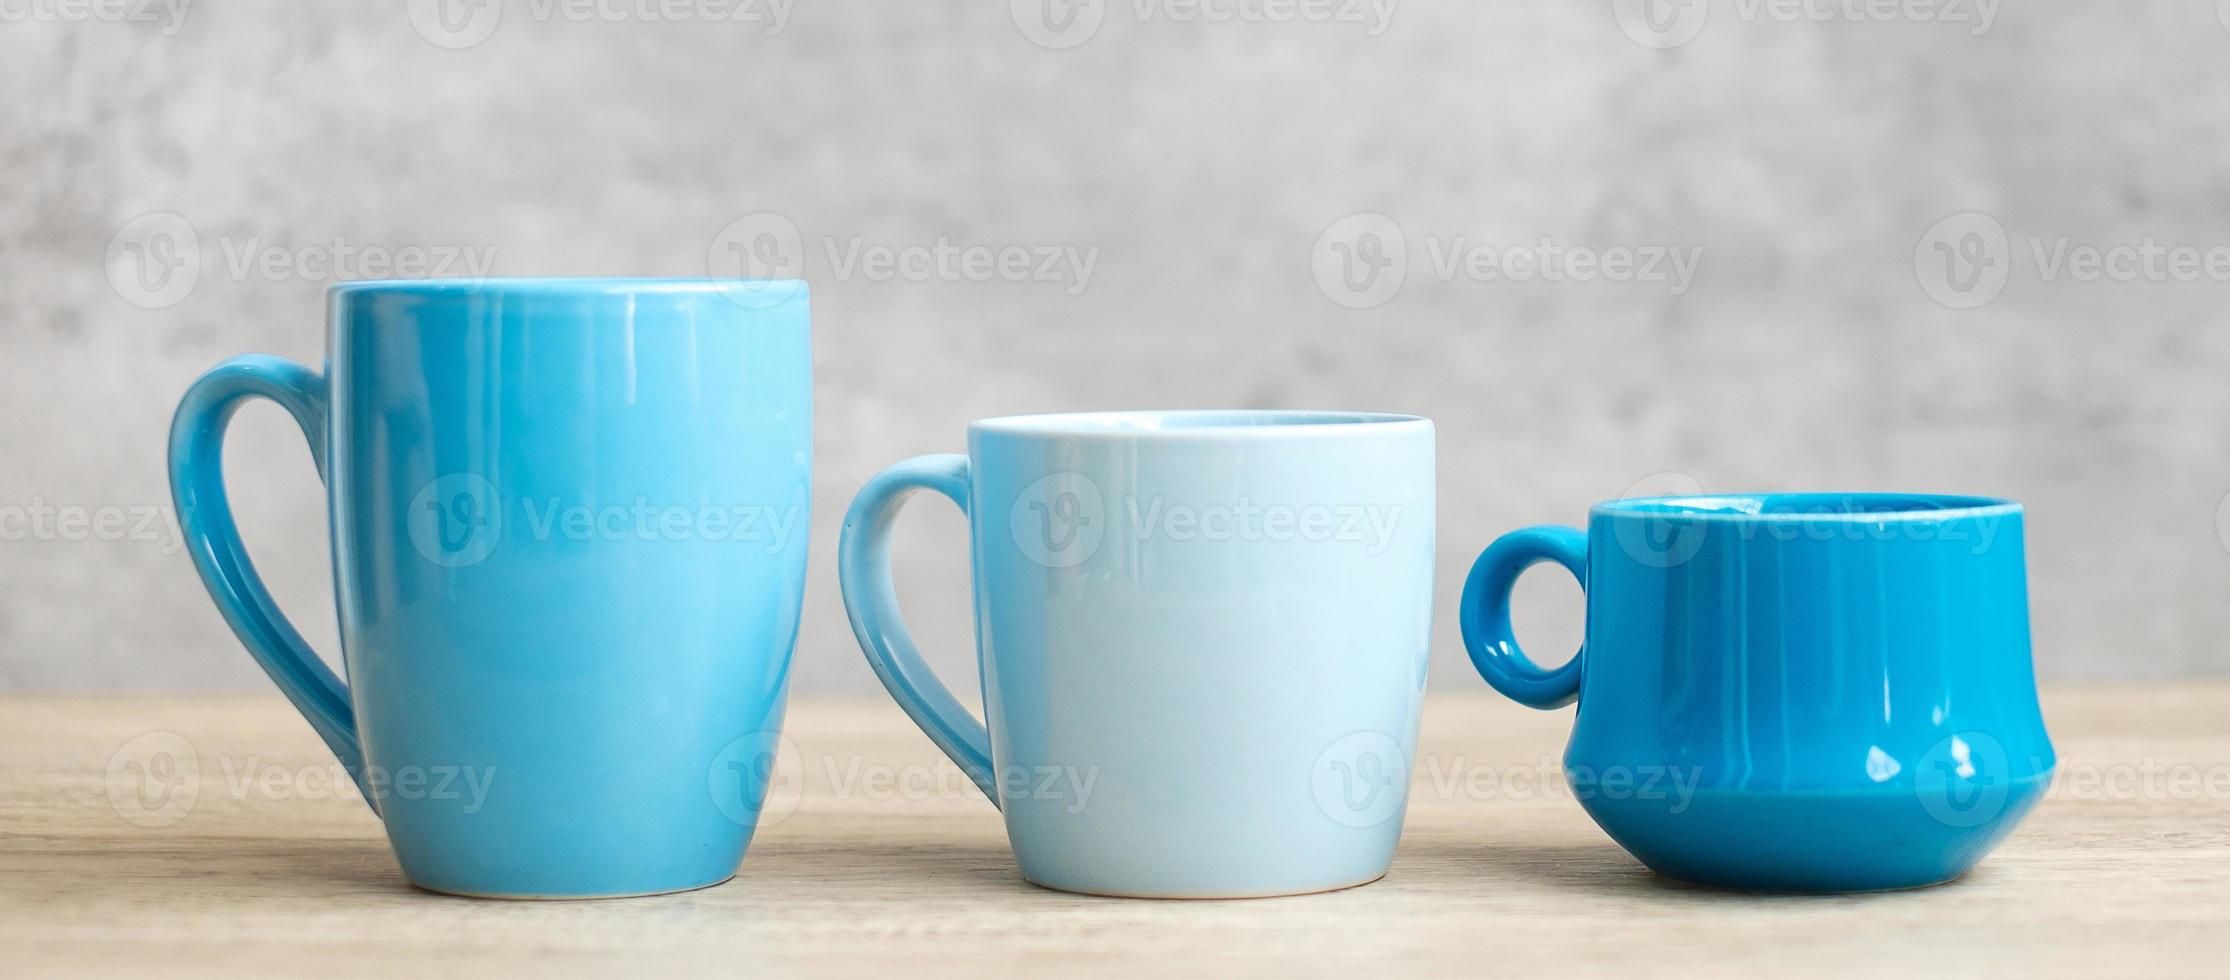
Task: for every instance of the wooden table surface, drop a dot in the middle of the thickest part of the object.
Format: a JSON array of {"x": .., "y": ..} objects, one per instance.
[{"x": 888, "y": 866}]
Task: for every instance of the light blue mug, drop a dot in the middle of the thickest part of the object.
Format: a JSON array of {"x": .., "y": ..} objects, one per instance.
[
  {"x": 1789, "y": 692},
  {"x": 569, "y": 536},
  {"x": 1202, "y": 636}
]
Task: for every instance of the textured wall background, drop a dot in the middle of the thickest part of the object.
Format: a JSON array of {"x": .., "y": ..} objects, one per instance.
[{"x": 1836, "y": 332}]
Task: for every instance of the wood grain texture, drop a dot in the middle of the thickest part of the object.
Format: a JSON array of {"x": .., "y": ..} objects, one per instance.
[{"x": 889, "y": 867}]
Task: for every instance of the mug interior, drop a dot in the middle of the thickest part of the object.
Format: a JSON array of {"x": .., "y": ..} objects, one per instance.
[
  {"x": 559, "y": 286},
  {"x": 1811, "y": 506},
  {"x": 1201, "y": 422}
]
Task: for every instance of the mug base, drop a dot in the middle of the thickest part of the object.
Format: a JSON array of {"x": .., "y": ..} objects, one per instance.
[
  {"x": 584, "y": 897},
  {"x": 1203, "y": 896},
  {"x": 1756, "y": 889},
  {"x": 1815, "y": 841}
]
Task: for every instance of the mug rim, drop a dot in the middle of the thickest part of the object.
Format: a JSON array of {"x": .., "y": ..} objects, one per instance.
[
  {"x": 1751, "y": 507},
  {"x": 562, "y": 285},
  {"x": 1198, "y": 423}
]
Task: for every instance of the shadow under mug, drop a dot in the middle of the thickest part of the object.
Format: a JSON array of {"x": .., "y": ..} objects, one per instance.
[
  {"x": 1202, "y": 636},
  {"x": 568, "y": 526},
  {"x": 1788, "y": 692}
]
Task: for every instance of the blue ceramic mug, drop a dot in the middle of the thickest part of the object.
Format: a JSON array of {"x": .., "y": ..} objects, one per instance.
[
  {"x": 569, "y": 536},
  {"x": 1202, "y": 639},
  {"x": 1788, "y": 692}
]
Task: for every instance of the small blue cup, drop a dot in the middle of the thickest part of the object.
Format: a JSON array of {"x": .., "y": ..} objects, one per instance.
[
  {"x": 1788, "y": 692},
  {"x": 569, "y": 536}
]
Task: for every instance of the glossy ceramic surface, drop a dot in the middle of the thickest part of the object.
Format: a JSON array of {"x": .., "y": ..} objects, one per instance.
[
  {"x": 1203, "y": 641},
  {"x": 1815, "y": 692},
  {"x": 569, "y": 537}
]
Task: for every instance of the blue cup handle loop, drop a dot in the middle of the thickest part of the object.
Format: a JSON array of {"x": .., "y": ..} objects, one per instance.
[
  {"x": 1485, "y": 615},
  {"x": 197, "y": 489},
  {"x": 863, "y": 569}
]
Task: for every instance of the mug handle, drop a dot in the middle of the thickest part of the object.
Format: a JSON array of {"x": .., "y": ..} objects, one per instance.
[
  {"x": 863, "y": 569},
  {"x": 1485, "y": 615},
  {"x": 197, "y": 489}
]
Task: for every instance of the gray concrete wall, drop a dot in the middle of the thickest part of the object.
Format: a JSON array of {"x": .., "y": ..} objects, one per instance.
[{"x": 1836, "y": 331}]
